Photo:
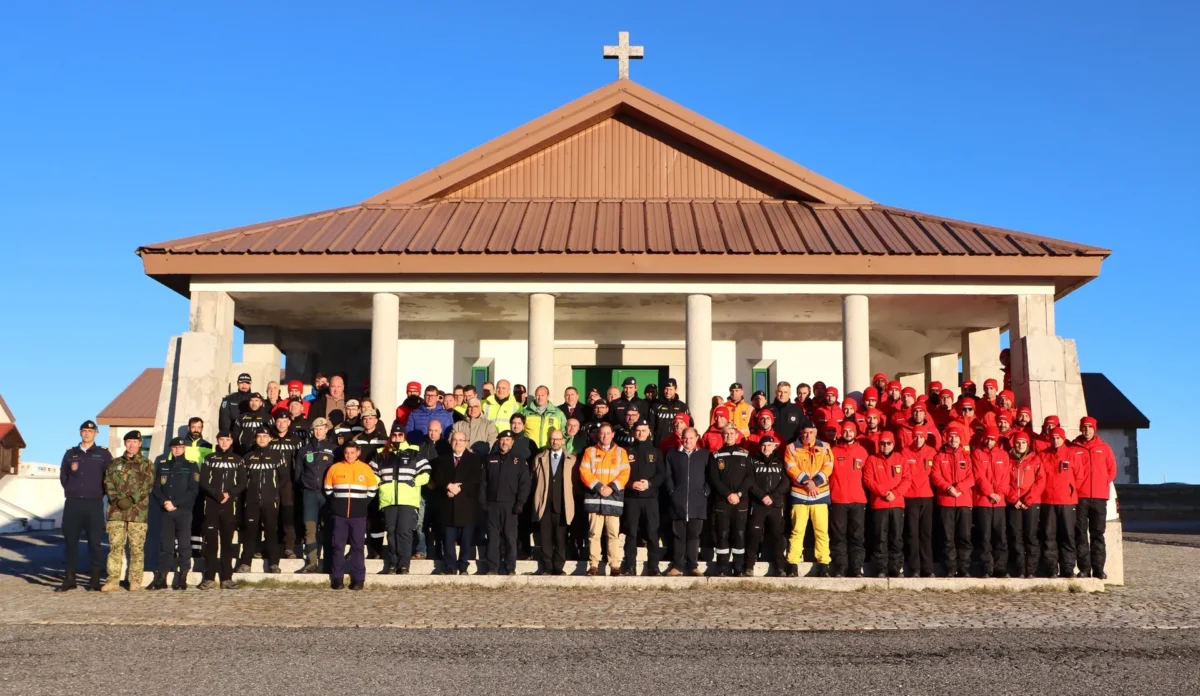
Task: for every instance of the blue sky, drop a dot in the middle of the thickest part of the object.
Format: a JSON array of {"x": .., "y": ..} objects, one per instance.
[{"x": 124, "y": 124}]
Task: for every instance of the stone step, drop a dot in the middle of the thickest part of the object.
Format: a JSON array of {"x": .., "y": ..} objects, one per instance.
[
  {"x": 425, "y": 567},
  {"x": 683, "y": 583}
]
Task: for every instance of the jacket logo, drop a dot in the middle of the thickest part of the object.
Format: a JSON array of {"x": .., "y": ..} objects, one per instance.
[
  {"x": 858, "y": 463},
  {"x": 1064, "y": 466},
  {"x": 74, "y": 466},
  {"x": 962, "y": 464},
  {"x": 721, "y": 465},
  {"x": 791, "y": 419},
  {"x": 163, "y": 480},
  {"x": 896, "y": 469},
  {"x": 362, "y": 478}
]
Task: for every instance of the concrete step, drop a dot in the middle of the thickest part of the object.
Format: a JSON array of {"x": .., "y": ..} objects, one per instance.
[
  {"x": 426, "y": 567},
  {"x": 683, "y": 583}
]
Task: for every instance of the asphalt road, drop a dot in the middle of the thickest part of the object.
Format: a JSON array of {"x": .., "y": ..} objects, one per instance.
[{"x": 102, "y": 659}]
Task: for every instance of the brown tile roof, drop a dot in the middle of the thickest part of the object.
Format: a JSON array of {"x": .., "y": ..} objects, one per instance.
[
  {"x": 10, "y": 436},
  {"x": 622, "y": 227},
  {"x": 138, "y": 403}
]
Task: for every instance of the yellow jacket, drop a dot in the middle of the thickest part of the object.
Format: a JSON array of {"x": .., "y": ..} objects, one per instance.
[{"x": 809, "y": 464}]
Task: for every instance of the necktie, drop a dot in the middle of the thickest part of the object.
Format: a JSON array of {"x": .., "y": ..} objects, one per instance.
[
  {"x": 456, "y": 462},
  {"x": 554, "y": 463}
]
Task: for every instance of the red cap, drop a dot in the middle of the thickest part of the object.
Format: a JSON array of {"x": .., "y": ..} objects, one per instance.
[
  {"x": 908, "y": 391},
  {"x": 944, "y": 393},
  {"x": 295, "y": 384},
  {"x": 1087, "y": 420},
  {"x": 831, "y": 390},
  {"x": 919, "y": 406},
  {"x": 887, "y": 436},
  {"x": 832, "y": 426},
  {"x": 1026, "y": 410},
  {"x": 935, "y": 386},
  {"x": 764, "y": 413},
  {"x": 956, "y": 429},
  {"x": 989, "y": 382},
  {"x": 413, "y": 386},
  {"x": 683, "y": 418},
  {"x": 1052, "y": 421},
  {"x": 1058, "y": 432},
  {"x": 968, "y": 383},
  {"x": 1003, "y": 416},
  {"x": 722, "y": 412},
  {"x": 849, "y": 425},
  {"x": 893, "y": 385},
  {"x": 879, "y": 376},
  {"x": 967, "y": 401},
  {"x": 870, "y": 393},
  {"x": 992, "y": 432},
  {"x": 1021, "y": 435},
  {"x": 875, "y": 412}
]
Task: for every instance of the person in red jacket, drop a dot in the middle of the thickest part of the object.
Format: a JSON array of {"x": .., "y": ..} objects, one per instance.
[
  {"x": 879, "y": 383},
  {"x": 674, "y": 441},
  {"x": 987, "y": 403},
  {"x": 1004, "y": 427},
  {"x": 1026, "y": 480},
  {"x": 943, "y": 412},
  {"x": 1024, "y": 421},
  {"x": 1065, "y": 467},
  {"x": 851, "y": 413},
  {"x": 829, "y": 410},
  {"x": 765, "y": 427},
  {"x": 934, "y": 393},
  {"x": 893, "y": 401},
  {"x": 953, "y": 479},
  {"x": 919, "y": 418},
  {"x": 968, "y": 389},
  {"x": 848, "y": 505},
  {"x": 870, "y": 400},
  {"x": 887, "y": 480},
  {"x": 869, "y": 438},
  {"x": 965, "y": 416},
  {"x": 918, "y": 504},
  {"x": 1091, "y": 513},
  {"x": 991, "y": 488},
  {"x": 908, "y": 399},
  {"x": 1045, "y": 440},
  {"x": 714, "y": 438}
]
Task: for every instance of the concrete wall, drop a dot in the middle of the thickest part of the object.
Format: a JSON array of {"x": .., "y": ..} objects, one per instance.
[{"x": 1124, "y": 447}]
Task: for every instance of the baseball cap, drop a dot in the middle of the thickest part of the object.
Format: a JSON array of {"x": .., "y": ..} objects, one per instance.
[
  {"x": 224, "y": 433},
  {"x": 629, "y": 382},
  {"x": 735, "y": 385},
  {"x": 413, "y": 386},
  {"x": 263, "y": 430},
  {"x": 370, "y": 413},
  {"x": 244, "y": 377},
  {"x": 295, "y": 384},
  {"x": 255, "y": 395},
  {"x": 397, "y": 427},
  {"x": 352, "y": 402},
  {"x": 766, "y": 439},
  {"x": 671, "y": 382}
]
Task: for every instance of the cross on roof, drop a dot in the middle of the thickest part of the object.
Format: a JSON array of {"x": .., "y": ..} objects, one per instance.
[{"x": 623, "y": 52}]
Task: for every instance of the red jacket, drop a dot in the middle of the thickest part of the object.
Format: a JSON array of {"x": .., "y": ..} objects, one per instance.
[
  {"x": 992, "y": 469},
  {"x": 952, "y": 467},
  {"x": 670, "y": 442},
  {"x": 887, "y": 474},
  {"x": 827, "y": 414},
  {"x": 1064, "y": 469},
  {"x": 752, "y": 441},
  {"x": 1101, "y": 469},
  {"x": 920, "y": 465},
  {"x": 1026, "y": 478},
  {"x": 870, "y": 440},
  {"x": 846, "y": 481},
  {"x": 712, "y": 439}
]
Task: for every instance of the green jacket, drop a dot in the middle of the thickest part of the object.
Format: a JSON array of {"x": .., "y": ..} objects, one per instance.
[
  {"x": 538, "y": 424},
  {"x": 129, "y": 478}
]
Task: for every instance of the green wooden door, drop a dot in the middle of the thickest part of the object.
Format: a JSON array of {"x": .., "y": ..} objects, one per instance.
[{"x": 603, "y": 377}]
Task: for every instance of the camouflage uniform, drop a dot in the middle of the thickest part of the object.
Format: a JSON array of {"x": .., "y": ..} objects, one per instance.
[{"x": 128, "y": 479}]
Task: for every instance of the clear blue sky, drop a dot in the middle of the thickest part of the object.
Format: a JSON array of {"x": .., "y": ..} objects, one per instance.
[{"x": 124, "y": 125}]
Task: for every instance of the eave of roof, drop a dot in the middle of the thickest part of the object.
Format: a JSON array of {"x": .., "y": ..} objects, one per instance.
[{"x": 137, "y": 403}]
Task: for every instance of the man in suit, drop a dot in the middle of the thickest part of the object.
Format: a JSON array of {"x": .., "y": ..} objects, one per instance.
[
  {"x": 555, "y": 485},
  {"x": 458, "y": 496}
]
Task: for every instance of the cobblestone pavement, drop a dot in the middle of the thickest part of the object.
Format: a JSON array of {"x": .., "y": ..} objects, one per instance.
[{"x": 1162, "y": 591}]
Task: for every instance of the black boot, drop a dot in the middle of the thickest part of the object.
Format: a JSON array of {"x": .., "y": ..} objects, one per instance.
[
  {"x": 159, "y": 582},
  {"x": 68, "y": 582},
  {"x": 94, "y": 581}
]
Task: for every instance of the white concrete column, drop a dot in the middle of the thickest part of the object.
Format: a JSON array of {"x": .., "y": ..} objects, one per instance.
[
  {"x": 261, "y": 356},
  {"x": 981, "y": 356},
  {"x": 541, "y": 343},
  {"x": 385, "y": 341},
  {"x": 212, "y": 313},
  {"x": 699, "y": 356},
  {"x": 942, "y": 367},
  {"x": 856, "y": 344}
]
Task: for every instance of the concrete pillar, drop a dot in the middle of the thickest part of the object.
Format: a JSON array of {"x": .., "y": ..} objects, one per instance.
[
  {"x": 385, "y": 342},
  {"x": 261, "y": 356},
  {"x": 541, "y": 343},
  {"x": 212, "y": 312},
  {"x": 981, "y": 356},
  {"x": 699, "y": 356},
  {"x": 942, "y": 367},
  {"x": 856, "y": 345},
  {"x": 1045, "y": 367}
]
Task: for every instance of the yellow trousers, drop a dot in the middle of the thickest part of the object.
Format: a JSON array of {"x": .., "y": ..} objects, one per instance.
[{"x": 801, "y": 515}]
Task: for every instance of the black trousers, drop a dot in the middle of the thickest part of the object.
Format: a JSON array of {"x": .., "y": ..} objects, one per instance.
[
  {"x": 729, "y": 533},
  {"x": 1025, "y": 553},
  {"x": 501, "y": 525},
  {"x": 686, "y": 543},
  {"x": 376, "y": 529},
  {"x": 287, "y": 515},
  {"x": 260, "y": 519},
  {"x": 1058, "y": 531},
  {"x": 665, "y": 532},
  {"x": 175, "y": 530},
  {"x": 84, "y": 516},
  {"x": 553, "y": 533},
  {"x": 198, "y": 527},
  {"x": 765, "y": 523},
  {"x": 399, "y": 522},
  {"x": 220, "y": 522},
  {"x": 1090, "y": 520},
  {"x": 990, "y": 538},
  {"x": 888, "y": 532},
  {"x": 918, "y": 535},
  {"x": 847, "y": 522},
  {"x": 956, "y": 532},
  {"x": 641, "y": 514}
]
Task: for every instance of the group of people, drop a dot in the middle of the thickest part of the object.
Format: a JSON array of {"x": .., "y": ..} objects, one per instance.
[{"x": 509, "y": 472}]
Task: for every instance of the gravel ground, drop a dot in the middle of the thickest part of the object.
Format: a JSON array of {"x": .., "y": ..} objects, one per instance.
[{"x": 102, "y": 660}]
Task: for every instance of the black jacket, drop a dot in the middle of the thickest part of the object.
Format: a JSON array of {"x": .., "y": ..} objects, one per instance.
[
  {"x": 507, "y": 479},
  {"x": 617, "y": 409},
  {"x": 770, "y": 478},
  {"x": 789, "y": 419},
  {"x": 247, "y": 425},
  {"x": 623, "y": 436},
  {"x": 371, "y": 443},
  {"x": 177, "y": 480},
  {"x": 687, "y": 483},
  {"x": 312, "y": 462},
  {"x": 525, "y": 448},
  {"x": 223, "y": 473},
  {"x": 582, "y": 412},
  {"x": 347, "y": 430},
  {"x": 463, "y": 509},
  {"x": 663, "y": 414},
  {"x": 264, "y": 467},
  {"x": 232, "y": 406},
  {"x": 645, "y": 462},
  {"x": 730, "y": 472}
]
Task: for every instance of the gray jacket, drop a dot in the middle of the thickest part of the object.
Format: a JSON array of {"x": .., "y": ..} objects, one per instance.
[{"x": 480, "y": 432}]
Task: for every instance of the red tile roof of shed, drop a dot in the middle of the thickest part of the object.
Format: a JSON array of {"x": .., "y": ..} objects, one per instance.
[{"x": 137, "y": 404}]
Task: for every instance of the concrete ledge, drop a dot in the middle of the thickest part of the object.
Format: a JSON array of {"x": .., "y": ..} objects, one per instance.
[{"x": 687, "y": 583}]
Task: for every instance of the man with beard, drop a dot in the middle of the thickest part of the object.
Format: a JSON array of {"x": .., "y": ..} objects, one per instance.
[
  {"x": 254, "y": 418},
  {"x": 196, "y": 449},
  {"x": 412, "y": 400},
  {"x": 234, "y": 404}
]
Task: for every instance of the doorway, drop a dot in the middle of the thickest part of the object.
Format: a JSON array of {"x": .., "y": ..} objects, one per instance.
[{"x": 604, "y": 376}]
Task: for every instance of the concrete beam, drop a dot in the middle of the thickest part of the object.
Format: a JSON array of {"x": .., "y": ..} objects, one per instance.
[
  {"x": 699, "y": 354},
  {"x": 261, "y": 356},
  {"x": 385, "y": 346}
]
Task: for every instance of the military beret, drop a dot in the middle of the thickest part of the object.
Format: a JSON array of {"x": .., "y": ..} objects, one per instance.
[
  {"x": 88, "y": 425},
  {"x": 283, "y": 414},
  {"x": 652, "y": 387},
  {"x": 632, "y": 407},
  {"x": 766, "y": 439},
  {"x": 505, "y": 433},
  {"x": 629, "y": 382},
  {"x": 178, "y": 442},
  {"x": 133, "y": 435},
  {"x": 255, "y": 395}
]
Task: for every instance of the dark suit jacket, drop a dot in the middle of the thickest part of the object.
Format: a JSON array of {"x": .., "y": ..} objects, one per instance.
[{"x": 463, "y": 509}]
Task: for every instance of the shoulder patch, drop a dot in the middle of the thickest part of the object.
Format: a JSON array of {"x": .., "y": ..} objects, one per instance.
[
  {"x": 163, "y": 480},
  {"x": 196, "y": 476}
]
